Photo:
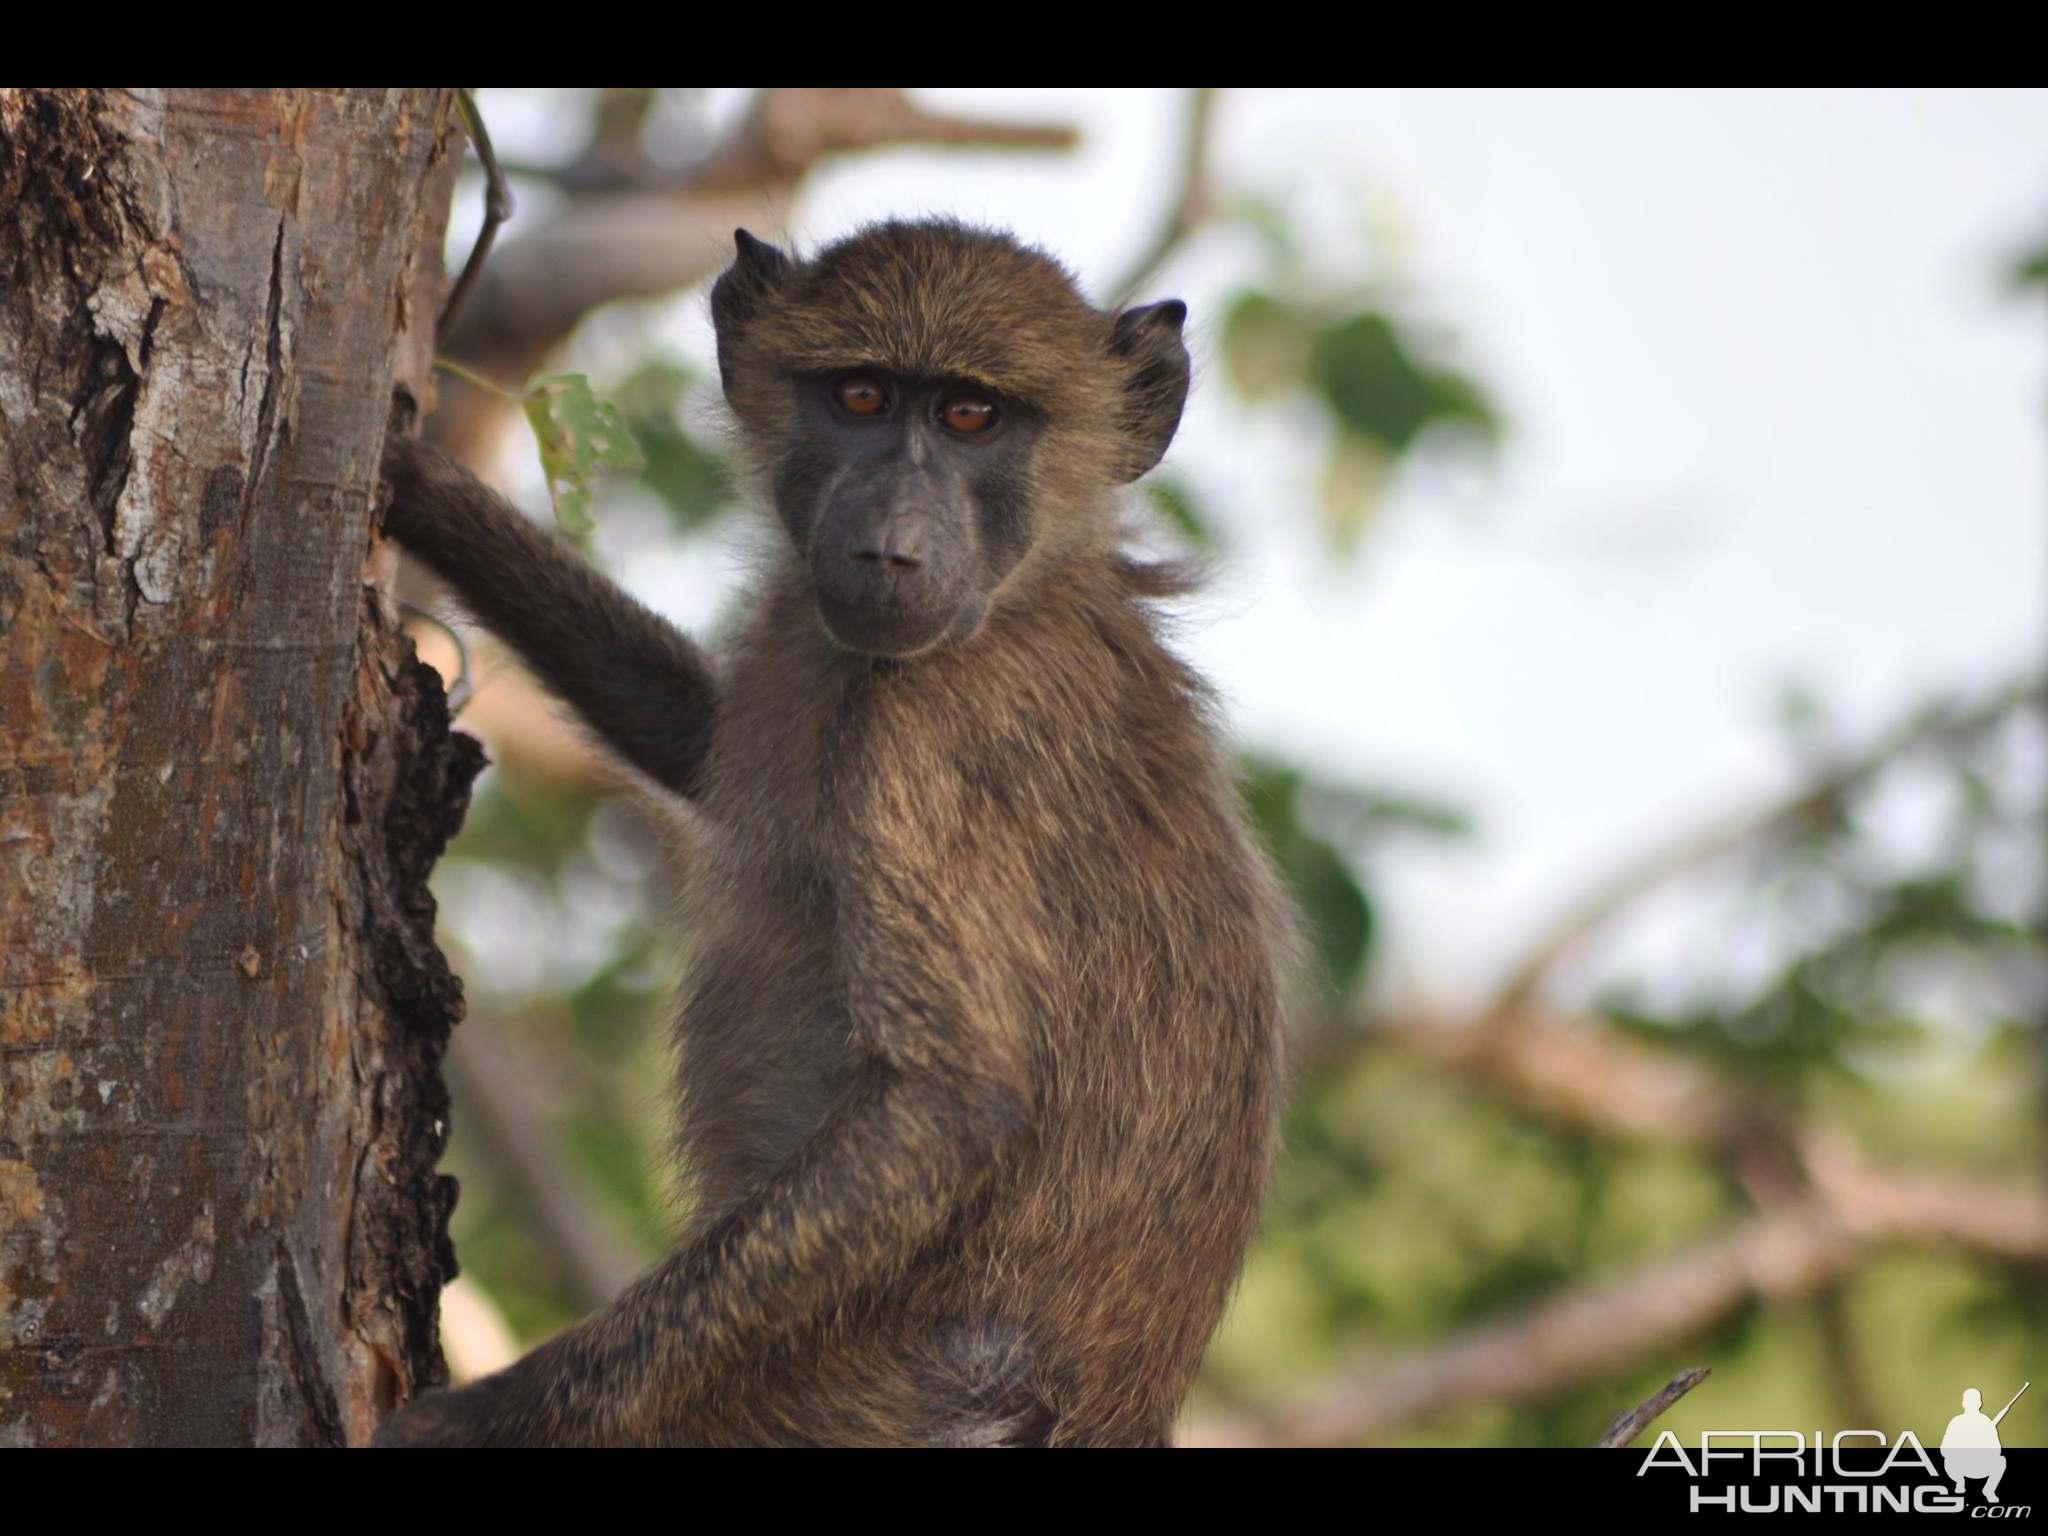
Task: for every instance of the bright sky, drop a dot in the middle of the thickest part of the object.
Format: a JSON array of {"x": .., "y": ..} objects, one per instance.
[{"x": 1772, "y": 419}]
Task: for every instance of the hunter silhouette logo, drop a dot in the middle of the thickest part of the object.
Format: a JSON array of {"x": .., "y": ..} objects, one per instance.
[{"x": 1970, "y": 1448}]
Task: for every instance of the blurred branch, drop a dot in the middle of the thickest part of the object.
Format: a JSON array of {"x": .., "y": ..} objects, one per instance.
[
  {"x": 791, "y": 128},
  {"x": 785, "y": 132},
  {"x": 1793, "y": 1250},
  {"x": 1825, "y": 1211},
  {"x": 499, "y": 1092},
  {"x": 1191, "y": 203},
  {"x": 1847, "y": 1375},
  {"x": 641, "y": 231},
  {"x": 1626, "y": 1427},
  {"x": 1812, "y": 804},
  {"x": 1582, "y": 1073},
  {"x": 615, "y": 156}
]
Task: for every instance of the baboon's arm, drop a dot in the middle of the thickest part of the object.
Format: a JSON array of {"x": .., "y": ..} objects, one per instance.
[
  {"x": 926, "y": 1125},
  {"x": 858, "y": 1207},
  {"x": 639, "y": 682}
]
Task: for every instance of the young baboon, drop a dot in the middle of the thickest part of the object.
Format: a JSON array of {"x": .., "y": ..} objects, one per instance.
[{"x": 982, "y": 1034}]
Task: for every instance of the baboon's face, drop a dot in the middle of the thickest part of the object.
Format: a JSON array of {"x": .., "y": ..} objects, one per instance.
[
  {"x": 930, "y": 404},
  {"x": 910, "y": 497}
]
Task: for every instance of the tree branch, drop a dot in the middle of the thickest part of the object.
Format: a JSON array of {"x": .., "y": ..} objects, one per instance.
[
  {"x": 1823, "y": 797},
  {"x": 499, "y": 1092},
  {"x": 658, "y": 235},
  {"x": 1790, "y": 1251},
  {"x": 1632, "y": 1423},
  {"x": 1582, "y": 1073}
]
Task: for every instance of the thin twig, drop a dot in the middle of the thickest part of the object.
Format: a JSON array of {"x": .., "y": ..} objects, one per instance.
[
  {"x": 1637, "y": 1419},
  {"x": 471, "y": 376},
  {"x": 497, "y": 206},
  {"x": 1191, "y": 202}
]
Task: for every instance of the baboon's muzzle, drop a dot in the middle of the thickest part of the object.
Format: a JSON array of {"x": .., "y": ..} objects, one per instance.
[{"x": 891, "y": 575}]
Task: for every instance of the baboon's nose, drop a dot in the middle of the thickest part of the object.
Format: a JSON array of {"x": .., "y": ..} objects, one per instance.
[{"x": 899, "y": 544}]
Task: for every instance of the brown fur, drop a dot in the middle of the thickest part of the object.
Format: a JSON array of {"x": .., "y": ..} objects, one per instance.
[{"x": 980, "y": 1049}]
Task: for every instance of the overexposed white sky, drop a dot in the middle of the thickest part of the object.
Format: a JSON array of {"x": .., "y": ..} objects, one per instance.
[{"x": 1772, "y": 419}]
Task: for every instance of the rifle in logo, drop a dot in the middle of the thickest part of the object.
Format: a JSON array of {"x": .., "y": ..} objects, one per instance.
[{"x": 2008, "y": 1407}]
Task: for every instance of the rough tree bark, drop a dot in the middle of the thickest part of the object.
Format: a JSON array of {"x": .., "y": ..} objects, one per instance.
[{"x": 223, "y": 776}]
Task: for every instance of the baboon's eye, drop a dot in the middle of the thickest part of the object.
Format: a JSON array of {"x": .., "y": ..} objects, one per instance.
[
  {"x": 967, "y": 412},
  {"x": 861, "y": 395}
]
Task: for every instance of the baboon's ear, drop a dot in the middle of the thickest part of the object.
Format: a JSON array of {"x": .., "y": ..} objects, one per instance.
[
  {"x": 1147, "y": 341},
  {"x": 742, "y": 291}
]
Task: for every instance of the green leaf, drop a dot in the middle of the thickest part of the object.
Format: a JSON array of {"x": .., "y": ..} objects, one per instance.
[
  {"x": 691, "y": 478},
  {"x": 1354, "y": 476},
  {"x": 1371, "y": 382},
  {"x": 1266, "y": 345},
  {"x": 1339, "y": 916},
  {"x": 1799, "y": 708},
  {"x": 1270, "y": 222},
  {"x": 1460, "y": 399},
  {"x": 692, "y": 481},
  {"x": 1176, "y": 499},
  {"x": 578, "y": 434},
  {"x": 1336, "y": 910},
  {"x": 1271, "y": 791},
  {"x": 1350, "y": 812},
  {"x": 1378, "y": 389}
]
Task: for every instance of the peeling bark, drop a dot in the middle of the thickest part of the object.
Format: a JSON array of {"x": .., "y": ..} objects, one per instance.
[{"x": 223, "y": 775}]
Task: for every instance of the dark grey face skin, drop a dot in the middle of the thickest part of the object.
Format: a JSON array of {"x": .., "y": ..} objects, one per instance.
[{"x": 909, "y": 523}]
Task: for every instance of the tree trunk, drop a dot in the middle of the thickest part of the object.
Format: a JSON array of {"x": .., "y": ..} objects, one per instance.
[{"x": 223, "y": 775}]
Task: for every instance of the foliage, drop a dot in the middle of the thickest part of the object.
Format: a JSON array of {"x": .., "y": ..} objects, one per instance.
[
  {"x": 1364, "y": 364},
  {"x": 690, "y": 478},
  {"x": 577, "y": 434}
]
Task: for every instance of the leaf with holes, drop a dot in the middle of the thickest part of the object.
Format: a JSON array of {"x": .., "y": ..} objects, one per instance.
[{"x": 578, "y": 435}]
